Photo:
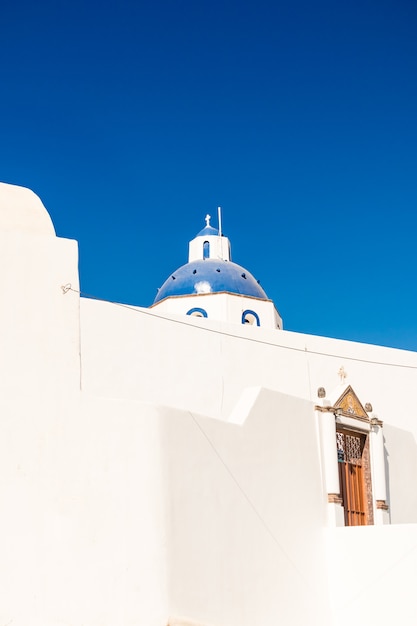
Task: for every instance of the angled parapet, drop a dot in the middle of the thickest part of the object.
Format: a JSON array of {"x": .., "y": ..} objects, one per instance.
[{"x": 244, "y": 405}]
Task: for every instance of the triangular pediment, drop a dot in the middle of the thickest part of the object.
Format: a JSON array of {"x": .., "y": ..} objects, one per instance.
[{"x": 351, "y": 405}]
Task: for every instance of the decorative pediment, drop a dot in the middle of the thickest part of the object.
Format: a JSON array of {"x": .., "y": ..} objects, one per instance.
[{"x": 351, "y": 405}]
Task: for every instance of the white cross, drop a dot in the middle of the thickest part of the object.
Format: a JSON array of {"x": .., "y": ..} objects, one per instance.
[
  {"x": 342, "y": 374},
  {"x": 208, "y": 218}
]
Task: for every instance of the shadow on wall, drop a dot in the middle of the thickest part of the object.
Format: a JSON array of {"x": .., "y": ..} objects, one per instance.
[
  {"x": 387, "y": 478},
  {"x": 400, "y": 449}
]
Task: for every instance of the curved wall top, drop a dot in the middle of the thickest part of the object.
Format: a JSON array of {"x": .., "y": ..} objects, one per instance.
[{"x": 21, "y": 210}]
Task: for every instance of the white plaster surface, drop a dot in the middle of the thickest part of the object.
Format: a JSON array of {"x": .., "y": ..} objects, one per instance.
[
  {"x": 219, "y": 248},
  {"x": 374, "y": 575},
  {"x": 224, "y": 307},
  {"x": 161, "y": 469},
  {"x": 21, "y": 210},
  {"x": 39, "y": 326},
  {"x": 246, "y": 536},
  {"x": 82, "y": 514}
]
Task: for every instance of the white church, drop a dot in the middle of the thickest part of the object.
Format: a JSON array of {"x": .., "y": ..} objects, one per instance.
[{"x": 193, "y": 463}]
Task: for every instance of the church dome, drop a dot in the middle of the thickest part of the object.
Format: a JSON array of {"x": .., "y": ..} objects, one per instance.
[
  {"x": 236, "y": 296},
  {"x": 210, "y": 276},
  {"x": 208, "y": 231}
]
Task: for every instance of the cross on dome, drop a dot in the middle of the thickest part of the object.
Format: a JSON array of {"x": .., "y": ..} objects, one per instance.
[{"x": 208, "y": 218}]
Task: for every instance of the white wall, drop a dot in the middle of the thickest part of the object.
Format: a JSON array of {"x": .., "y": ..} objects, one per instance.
[
  {"x": 205, "y": 367},
  {"x": 82, "y": 511},
  {"x": 374, "y": 575},
  {"x": 127, "y": 503},
  {"x": 175, "y": 359},
  {"x": 247, "y": 507},
  {"x": 401, "y": 472},
  {"x": 117, "y": 512},
  {"x": 222, "y": 307},
  {"x": 39, "y": 326},
  {"x": 219, "y": 248}
]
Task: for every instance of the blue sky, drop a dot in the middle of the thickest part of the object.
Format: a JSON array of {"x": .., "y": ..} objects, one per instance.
[{"x": 132, "y": 120}]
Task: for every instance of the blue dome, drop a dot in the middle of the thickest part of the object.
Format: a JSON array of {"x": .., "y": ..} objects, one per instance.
[
  {"x": 210, "y": 276},
  {"x": 208, "y": 231}
]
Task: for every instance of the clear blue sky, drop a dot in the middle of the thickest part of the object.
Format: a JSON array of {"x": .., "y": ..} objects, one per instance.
[{"x": 132, "y": 120}]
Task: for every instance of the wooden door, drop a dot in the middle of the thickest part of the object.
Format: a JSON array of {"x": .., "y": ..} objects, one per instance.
[{"x": 350, "y": 451}]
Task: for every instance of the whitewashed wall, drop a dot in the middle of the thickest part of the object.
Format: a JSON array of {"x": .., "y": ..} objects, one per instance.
[
  {"x": 176, "y": 474},
  {"x": 246, "y": 542},
  {"x": 204, "y": 365},
  {"x": 374, "y": 575},
  {"x": 222, "y": 307},
  {"x": 39, "y": 328},
  {"x": 82, "y": 514}
]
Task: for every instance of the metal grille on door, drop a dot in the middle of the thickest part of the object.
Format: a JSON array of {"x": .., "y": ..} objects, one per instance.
[{"x": 350, "y": 448}]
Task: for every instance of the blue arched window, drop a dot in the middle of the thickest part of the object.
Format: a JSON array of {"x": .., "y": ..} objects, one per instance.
[
  {"x": 196, "y": 312},
  {"x": 250, "y": 317},
  {"x": 206, "y": 250}
]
